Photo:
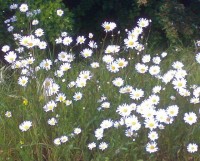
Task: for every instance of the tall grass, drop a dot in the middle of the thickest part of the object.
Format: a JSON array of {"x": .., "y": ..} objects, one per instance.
[{"x": 81, "y": 120}]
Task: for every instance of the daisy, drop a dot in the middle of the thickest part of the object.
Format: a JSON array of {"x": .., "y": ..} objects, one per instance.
[
  {"x": 92, "y": 44},
  {"x": 121, "y": 62},
  {"x": 64, "y": 139},
  {"x": 109, "y": 26},
  {"x": 129, "y": 133},
  {"x": 85, "y": 75},
  {"x": 132, "y": 122},
  {"x": 154, "y": 70},
  {"x": 141, "y": 68},
  {"x": 156, "y": 89},
  {"x": 126, "y": 89},
  {"x": 52, "y": 121},
  {"x": 133, "y": 106},
  {"x": 30, "y": 60},
  {"x": 80, "y": 39},
  {"x": 16, "y": 65},
  {"x": 163, "y": 54},
  {"x": 57, "y": 141},
  {"x": 177, "y": 65},
  {"x": 180, "y": 73},
  {"x": 130, "y": 43},
  {"x": 64, "y": 34},
  {"x": 5, "y": 48},
  {"x": 46, "y": 64},
  {"x": 172, "y": 110},
  {"x": 146, "y": 58},
  {"x": 156, "y": 60},
  {"x": 25, "y": 126},
  {"x": 77, "y": 131},
  {"x": 35, "y": 22},
  {"x": 179, "y": 83},
  {"x": 62, "y": 56},
  {"x": 124, "y": 110},
  {"x": 108, "y": 59},
  {"x": 8, "y": 114},
  {"x": 151, "y": 123},
  {"x": 197, "y": 57},
  {"x": 118, "y": 82},
  {"x": 10, "y": 57},
  {"x": 99, "y": 133},
  {"x": 67, "y": 41},
  {"x": 192, "y": 148},
  {"x": 70, "y": 57},
  {"x": 13, "y": 6},
  {"x": 154, "y": 99},
  {"x": 68, "y": 102},
  {"x": 137, "y": 30},
  {"x": 90, "y": 35},
  {"x": 103, "y": 146},
  {"x": 50, "y": 106},
  {"x": 105, "y": 105},
  {"x": 113, "y": 67},
  {"x": 58, "y": 40},
  {"x": 71, "y": 84},
  {"x": 42, "y": 45},
  {"x": 94, "y": 65},
  {"x": 78, "y": 96},
  {"x": 112, "y": 49},
  {"x": 139, "y": 47},
  {"x": 106, "y": 124},
  {"x": 194, "y": 100},
  {"x": 153, "y": 135},
  {"x": 167, "y": 77},
  {"x": 59, "y": 73},
  {"x": 91, "y": 145},
  {"x": 39, "y": 32},
  {"x": 136, "y": 94},
  {"x": 196, "y": 92},
  {"x": 148, "y": 113},
  {"x": 161, "y": 115},
  {"x": 59, "y": 12},
  {"x": 23, "y": 7},
  {"x": 65, "y": 67},
  {"x": 152, "y": 147},
  {"x": 198, "y": 42},
  {"x": 143, "y": 22},
  {"x": 86, "y": 53},
  {"x": 61, "y": 97},
  {"x": 53, "y": 89},
  {"x": 23, "y": 80},
  {"x": 190, "y": 118},
  {"x": 80, "y": 82},
  {"x": 28, "y": 41}
]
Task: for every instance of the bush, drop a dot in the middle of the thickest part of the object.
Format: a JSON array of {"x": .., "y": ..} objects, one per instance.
[
  {"x": 173, "y": 21},
  {"x": 45, "y": 11}
]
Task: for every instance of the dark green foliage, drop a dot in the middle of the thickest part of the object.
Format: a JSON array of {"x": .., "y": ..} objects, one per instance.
[
  {"x": 174, "y": 21},
  {"x": 49, "y": 21},
  {"x": 90, "y": 14}
]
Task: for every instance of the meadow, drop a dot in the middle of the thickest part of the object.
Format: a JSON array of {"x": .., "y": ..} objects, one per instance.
[{"x": 116, "y": 100}]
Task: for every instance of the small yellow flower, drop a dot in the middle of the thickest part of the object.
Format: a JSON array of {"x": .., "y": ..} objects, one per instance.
[
  {"x": 21, "y": 142},
  {"x": 25, "y": 102},
  {"x": 41, "y": 98}
]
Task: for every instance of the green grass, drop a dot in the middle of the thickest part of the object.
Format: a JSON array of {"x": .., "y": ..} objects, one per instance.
[{"x": 37, "y": 142}]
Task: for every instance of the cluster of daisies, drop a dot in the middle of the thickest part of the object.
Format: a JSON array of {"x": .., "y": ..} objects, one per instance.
[{"x": 142, "y": 113}]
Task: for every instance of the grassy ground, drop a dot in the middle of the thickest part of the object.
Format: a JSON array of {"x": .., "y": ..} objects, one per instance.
[
  {"x": 37, "y": 143},
  {"x": 142, "y": 105}
]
